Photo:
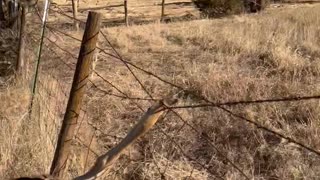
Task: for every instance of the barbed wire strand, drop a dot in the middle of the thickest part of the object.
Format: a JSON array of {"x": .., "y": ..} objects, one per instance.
[
  {"x": 53, "y": 51},
  {"x": 259, "y": 101},
  {"x": 227, "y": 103},
  {"x": 87, "y": 155},
  {"x": 55, "y": 44},
  {"x": 181, "y": 128},
  {"x": 105, "y": 80},
  {"x": 168, "y": 83},
  {"x": 171, "y": 144},
  {"x": 178, "y": 130},
  {"x": 243, "y": 118},
  {"x": 256, "y": 124},
  {"x": 116, "y": 95},
  {"x": 137, "y": 79},
  {"x": 141, "y": 69},
  {"x": 127, "y": 66},
  {"x": 107, "y": 93},
  {"x": 289, "y": 139},
  {"x": 189, "y": 157},
  {"x": 118, "y": 54},
  {"x": 210, "y": 142},
  {"x": 120, "y": 57},
  {"x": 49, "y": 115},
  {"x": 142, "y": 86},
  {"x": 84, "y": 144},
  {"x": 64, "y": 14},
  {"x": 115, "y": 87},
  {"x": 162, "y": 174},
  {"x": 50, "y": 94},
  {"x": 259, "y": 126}
]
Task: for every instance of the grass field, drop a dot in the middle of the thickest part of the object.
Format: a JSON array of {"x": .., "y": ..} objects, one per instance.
[{"x": 272, "y": 54}]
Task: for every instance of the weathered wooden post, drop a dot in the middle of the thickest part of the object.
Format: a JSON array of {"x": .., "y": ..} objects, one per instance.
[
  {"x": 80, "y": 79},
  {"x": 11, "y": 17},
  {"x": 162, "y": 10},
  {"x": 2, "y": 17},
  {"x": 22, "y": 65},
  {"x": 10, "y": 9},
  {"x": 13, "y": 12},
  {"x": 126, "y": 20},
  {"x": 75, "y": 14}
]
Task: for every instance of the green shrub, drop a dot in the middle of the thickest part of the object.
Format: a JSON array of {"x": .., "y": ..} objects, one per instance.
[
  {"x": 256, "y": 5},
  {"x": 218, "y": 8}
]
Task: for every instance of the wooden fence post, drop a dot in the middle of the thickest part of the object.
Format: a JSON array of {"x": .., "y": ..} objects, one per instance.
[
  {"x": 75, "y": 14},
  {"x": 2, "y": 17},
  {"x": 21, "y": 66},
  {"x": 10, "y": 9},
  {"x": 13, "y": 12},
  {"x": 80, "y": 79},
  {"x": 126, "y": 12},
  {"x": 162, "y": 10}
]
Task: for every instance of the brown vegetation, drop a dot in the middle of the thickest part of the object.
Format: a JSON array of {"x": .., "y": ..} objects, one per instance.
[
  {"x": 218, "y": 8},
  {"x": 272, "y": 54}
]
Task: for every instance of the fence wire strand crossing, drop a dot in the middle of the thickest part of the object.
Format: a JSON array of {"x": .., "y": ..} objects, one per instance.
[{"x": 103, "y": 122}]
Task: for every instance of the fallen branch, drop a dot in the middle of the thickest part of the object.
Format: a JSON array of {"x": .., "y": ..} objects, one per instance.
[
  {"x": 104, "y": 162},
  {"x": 146, "y": 122}
]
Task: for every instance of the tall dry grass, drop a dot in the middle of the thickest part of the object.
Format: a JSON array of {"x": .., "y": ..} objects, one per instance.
[
  {"x": 13, "y": 114},
  {"x": 272, "y": 54},
  {"x": 268, "y": 55},
  {"x": 28, "y": 138}
]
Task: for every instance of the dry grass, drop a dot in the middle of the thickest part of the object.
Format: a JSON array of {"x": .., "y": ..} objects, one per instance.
[
  {"x": 139, "y": 11},
  {"x": 27, "y": 145},
  {"x": 272, "y": 54},
  {"x": 13, "y": 114},
  {"x": 269, "y": 55}
]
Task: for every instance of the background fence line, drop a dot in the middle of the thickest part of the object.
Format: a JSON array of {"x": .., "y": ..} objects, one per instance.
[{"x": 126, "y": 9}]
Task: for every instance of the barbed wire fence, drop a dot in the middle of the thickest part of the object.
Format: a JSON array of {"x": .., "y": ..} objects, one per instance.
[
  {"x": 51, "y": 72},
  {"x": 112, "y": 107}
]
